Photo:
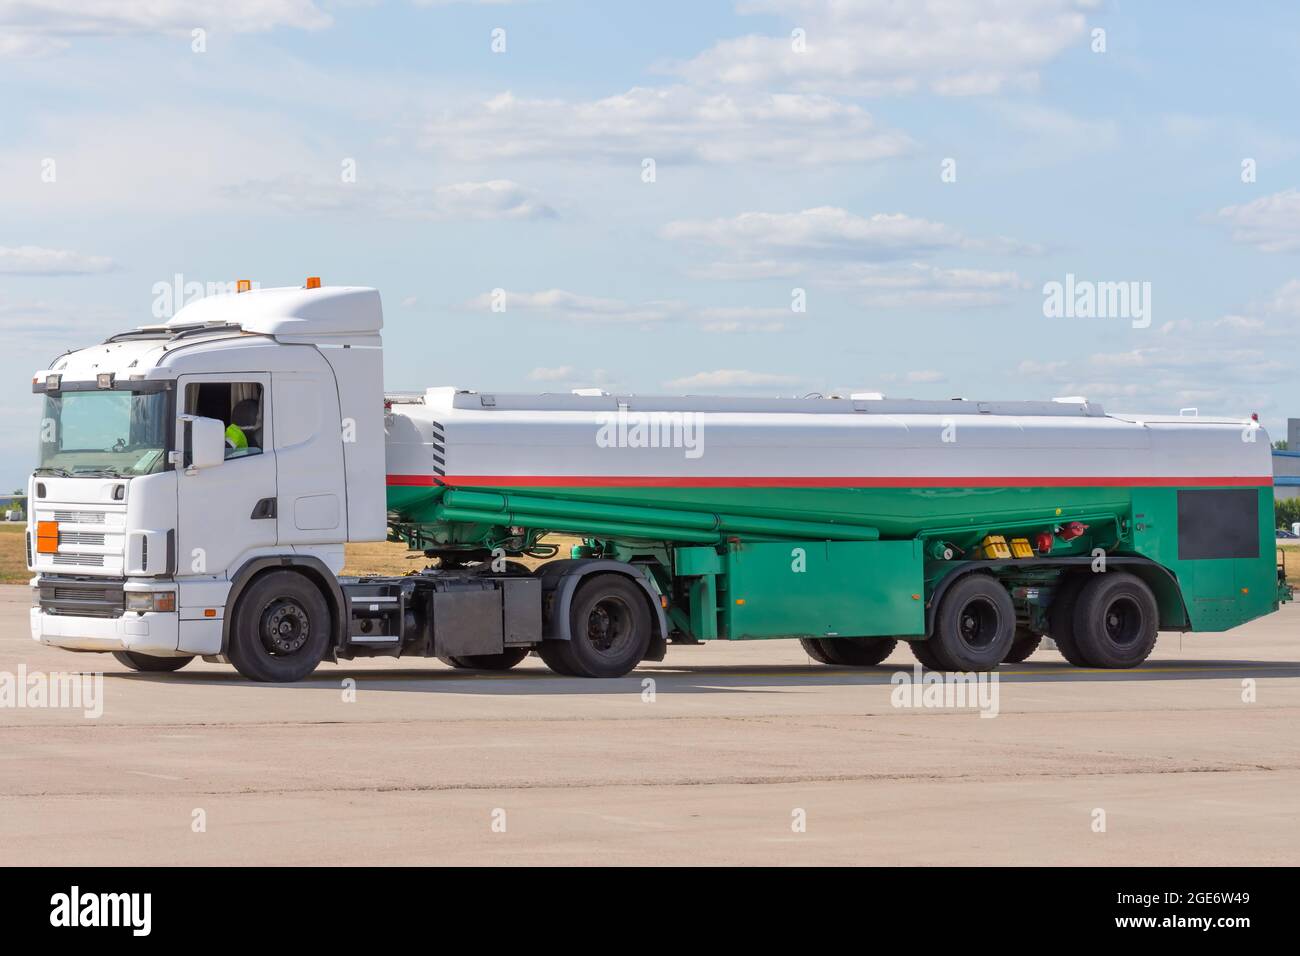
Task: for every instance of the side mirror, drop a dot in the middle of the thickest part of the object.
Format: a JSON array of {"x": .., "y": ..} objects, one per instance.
[{"x": 204, "y": 441}]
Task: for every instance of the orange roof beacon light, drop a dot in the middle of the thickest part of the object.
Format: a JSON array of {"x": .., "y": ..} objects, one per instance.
[
  {"x": 313, "y": 282},
  {"x": 243, "y": 285}
]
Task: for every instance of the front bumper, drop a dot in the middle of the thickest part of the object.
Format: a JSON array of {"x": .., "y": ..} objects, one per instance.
[{"x": 154, "y": 632}]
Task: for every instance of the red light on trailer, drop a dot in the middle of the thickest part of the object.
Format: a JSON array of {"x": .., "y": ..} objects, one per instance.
[
  {"x": 1071, "y": 531},
  {"x": 1254, "y": 416},
  {"x": 1043, "y": 542},
  {"x": 313, "y": 282}
]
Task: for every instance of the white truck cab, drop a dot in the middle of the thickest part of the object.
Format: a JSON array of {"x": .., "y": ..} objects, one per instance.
[{"x": 176, "y": 460}]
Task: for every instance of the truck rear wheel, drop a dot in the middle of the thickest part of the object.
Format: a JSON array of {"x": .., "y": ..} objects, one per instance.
[
  {"x": 148, "y": 663},
  {"x": 924, "y": 653},
  {"x": 1025, "y": 643},
  {"x": 1116, "y": 620},
  {"x": 609, "y": 629},
  {"x": 974, "y": 626},
  {"x": 488, "y": 662},
  {"x": 857, "y": 651},
  {"x": 813, "y": 648},
  {"x": 281, "y": 628},
  {"x": 1060, "y": 620}
]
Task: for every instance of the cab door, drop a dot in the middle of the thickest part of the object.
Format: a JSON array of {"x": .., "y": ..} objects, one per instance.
[
  {"x": 229, "y": 510},
  {"x": 309, "y": 455}
]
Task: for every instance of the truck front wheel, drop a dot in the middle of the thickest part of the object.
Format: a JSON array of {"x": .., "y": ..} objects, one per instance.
[
  {"x": 146, "y": 662},
  {"x": 974, "y": 626},
  {"x": 609, "y": 629},
  {"x": 281, "y": 628},
  {"x": 1116, "y": 620}
]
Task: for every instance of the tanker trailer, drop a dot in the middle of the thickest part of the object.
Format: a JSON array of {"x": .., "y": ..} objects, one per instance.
[{"x": 968, "y": 529}]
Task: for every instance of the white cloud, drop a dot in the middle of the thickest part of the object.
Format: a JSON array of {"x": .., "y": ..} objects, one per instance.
[
  {"x": 878, "y": 47},
  {"x": 42, "y": 326},
  {"x": 39, "y": 261},
  {"x": 1270, "y": 223},
  {"x": 494, "y": 199},
  {"x": 562, "y": 305},
  {"x": 559, "y": 373},
  {"x": 573, "y": 307},
  {"x": 33, "y": 27},
  {"x": 762, "y": 240},
  {"x": 831, "y": 245},
  {"x": 669, "y": 124},
  {"x": 160, "y": 161},
  {"x": 731, "y": 378}
]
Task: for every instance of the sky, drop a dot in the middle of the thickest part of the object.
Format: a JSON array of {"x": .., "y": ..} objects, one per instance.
[{"x": 769, "y": 197}]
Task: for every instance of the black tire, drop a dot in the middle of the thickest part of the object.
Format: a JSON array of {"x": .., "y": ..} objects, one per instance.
[
  {"x": 1116, "y": 620},
  {"x": 1025, "y": 643},
  {"x": 150, "y": 664},
  {"x": 489, "y": 662},
  {"x": 813, "y": 648},
  {"x": 281, "y": 628},
  {"x": 609, "y": 627},
  {"x": 857, "y": 651},
  {"x": 924, "y": 654},
  {"x": 551, "y": 653},
  {"x": 1060, "y": 619},
  {"x": 974, "y": 625}
]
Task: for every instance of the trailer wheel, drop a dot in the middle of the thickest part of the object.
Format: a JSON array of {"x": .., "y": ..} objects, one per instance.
[
  {"x": 974, "y": 626},
  {"x": 813, "y": 648},
  {"x": 609, "y": 628},
  {"x": 281, "y": 628},
  {"x": 923, "y": 651},
  {"x": 1116, "y": 620},
  {"x": 148, "y": 663},
  {"x": 1025, "y": 643},
  {"x": 1060, "y": 619},
  {"x": 488, "y": 662},
  {"x": 857, "y": 651}
]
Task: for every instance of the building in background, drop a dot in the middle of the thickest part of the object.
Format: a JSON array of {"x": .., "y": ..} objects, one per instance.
[{"x": 1286, "y": 464}]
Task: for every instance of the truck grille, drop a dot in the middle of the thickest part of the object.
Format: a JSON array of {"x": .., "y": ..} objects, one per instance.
[
  {"x": 80, "y": 517},
  {"x": 82, "y": 598},
  {"x": 81, "y": 537},
  {"x": 79, "y": 560}
]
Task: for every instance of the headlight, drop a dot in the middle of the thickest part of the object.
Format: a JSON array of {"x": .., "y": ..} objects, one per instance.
[{"x": 151, "y": 600}]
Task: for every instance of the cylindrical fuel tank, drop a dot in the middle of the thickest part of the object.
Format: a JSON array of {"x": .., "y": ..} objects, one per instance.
[{"x": 892, "y": 468}]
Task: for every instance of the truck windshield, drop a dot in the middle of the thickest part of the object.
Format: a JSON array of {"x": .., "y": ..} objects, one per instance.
[{"x": 103, "y": 432}]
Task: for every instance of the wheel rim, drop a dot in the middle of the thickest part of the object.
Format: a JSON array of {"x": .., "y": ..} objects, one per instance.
[
  {"x": 285, "y": 627},
  {"x": 610, "y": 626},
  {"x": 1123, "y": 620},
  {"x": 978, "y": 623}
]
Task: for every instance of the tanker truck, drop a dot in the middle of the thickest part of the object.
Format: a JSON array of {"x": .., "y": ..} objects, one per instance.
[{"x": 199, "y": 479}]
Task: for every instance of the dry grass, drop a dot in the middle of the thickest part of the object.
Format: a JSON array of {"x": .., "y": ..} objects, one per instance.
[
  {"x": 13, "y": 559},
  {"x": 384, "y": 557}
]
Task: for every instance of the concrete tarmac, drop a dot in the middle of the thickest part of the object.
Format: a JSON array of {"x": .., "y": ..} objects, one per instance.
[{"x": 742, "y": 753}]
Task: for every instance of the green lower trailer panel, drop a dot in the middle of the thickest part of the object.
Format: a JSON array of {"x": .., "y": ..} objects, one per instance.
[{"x": 823, "y": 588}]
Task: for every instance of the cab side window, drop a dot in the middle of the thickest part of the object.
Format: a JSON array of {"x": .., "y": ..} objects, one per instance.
[{"x": 237, "y": 404}]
